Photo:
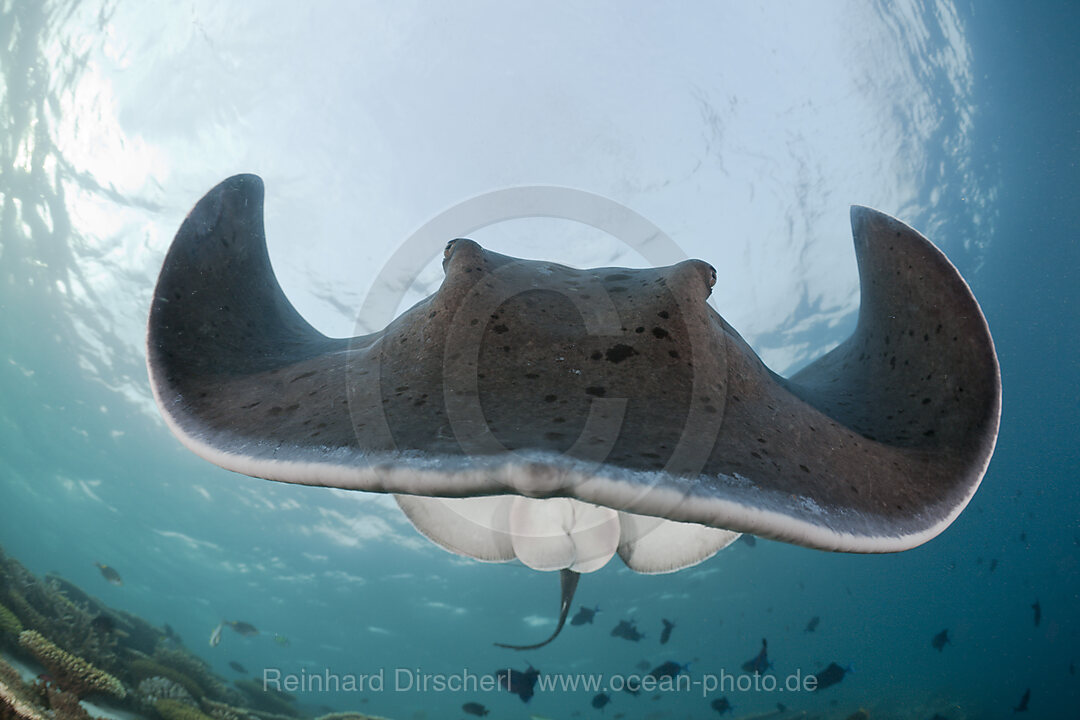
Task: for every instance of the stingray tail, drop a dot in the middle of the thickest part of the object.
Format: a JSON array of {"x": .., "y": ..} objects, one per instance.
[{"x": 569, "y": 581}]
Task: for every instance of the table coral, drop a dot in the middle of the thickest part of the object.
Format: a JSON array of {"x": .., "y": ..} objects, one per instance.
[{"x": 72, "y": 672}]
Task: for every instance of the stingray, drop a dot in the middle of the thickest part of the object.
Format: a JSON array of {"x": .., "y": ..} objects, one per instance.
[{"x": 560, "y": 416}]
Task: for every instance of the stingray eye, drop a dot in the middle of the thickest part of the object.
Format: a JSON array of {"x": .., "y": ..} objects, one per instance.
[
  {"x": 712, "y": 276},
  {"x": 449, "y": 249}
]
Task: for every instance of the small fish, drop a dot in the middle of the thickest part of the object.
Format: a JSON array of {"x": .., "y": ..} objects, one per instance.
[
  {"x": 584, "y": 615},
  {"x": 215, "y": 635},
  {"x": 830, "y": 676},
  {"x": 626, "y": 629},
  {"x": 474, "y": 708},
  {"x": 665, "y": 634},
  {"x": 668, "y": 669},
  {"x": 237, "y": 667},
  {"x": 245, "y": 629},
  {"x": 760, "y": 663},
  {"x": 1022, "y": 707},
  {"x": 521, "y": 683},
  {"x": 110, "y": 574},
  {"x": 721, "y": 705},
  {"x": 940, "y": 640},
  {"x": 750, "y": 540},
  {"x": 1038, "y": 612},
  {"x": 103, "y": 624},
  {"x": 281, "y": 640},
  {"x": 600, "y": 700},
  {"x": 812, "y": 625}
]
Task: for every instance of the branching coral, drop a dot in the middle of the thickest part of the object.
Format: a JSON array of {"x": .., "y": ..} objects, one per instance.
[
  {"x": 192, "y": 667},
  {"x": 9, "y": 622},
  {"x": 157, "y": 688},
  {"x": 17, "y": 702},
  {"x": 145, "y": 668},
  {"x": 65, "y": 705},
  {"x": 71, "y": 672},
  {"x": 176, "y": 710}
]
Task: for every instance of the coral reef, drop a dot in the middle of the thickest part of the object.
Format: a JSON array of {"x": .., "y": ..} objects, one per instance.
[
  {"x": 9, "y": 622},
  {"x": 65, "y": 705},
  {"x": 71, "y": 672},
  {"x": 176, "y": 710},
  {"x": 157, "y": 688},
  {"x": 221, "y": 711},
  {"x": 269, "y": 701},
  {"x": 189, "y": 666},
  {"x": 144, "y": 668},
  {"x": 18, "y": 700}
]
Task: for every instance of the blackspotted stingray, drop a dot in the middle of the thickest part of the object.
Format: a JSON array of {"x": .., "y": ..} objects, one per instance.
[{"x": 559, "y": 416}]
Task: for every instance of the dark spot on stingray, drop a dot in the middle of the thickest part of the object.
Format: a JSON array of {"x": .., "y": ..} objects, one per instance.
[
  {"x": 597, "y": 355},
  {"x": 929, "y": 433},
  {"x": 432, "y": 314},
  {"x": 639, "y": 329},
  {"x": 558, "y": 420},
  {"x": 554, "y": 436},
  {"x": 616, "y": 289},
  {"x": 659, "y": 333},
  {"x": 804, "y": 468},
  {"x": 664, "y": 314},
  {"x": 650, "y": 455},
  {"x": 506, "y": 348},
  {"x": 595, "y": 390},
  {"x": 531, "y": 376},
  {"x": 926, "y": 401},
  {"x": 474, "y": 321},
  {"x": 674, "y": 354},
  {"x": 755, "y": 454},
  {"x": 500, "y": 329},
  {"x": 302, "y": 376},
  {"x": 617, "y": 353},
  {"x": 617, "y": 276},
  {"x": 551, "y": 398}
]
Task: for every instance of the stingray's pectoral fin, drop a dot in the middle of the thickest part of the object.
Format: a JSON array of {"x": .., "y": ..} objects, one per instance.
[{"x": 569, "y": 581}]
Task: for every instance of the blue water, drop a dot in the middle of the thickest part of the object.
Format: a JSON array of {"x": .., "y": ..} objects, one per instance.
[{"x": 88, "y": 473}]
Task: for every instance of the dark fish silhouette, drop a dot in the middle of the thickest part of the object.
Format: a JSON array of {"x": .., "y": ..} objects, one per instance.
[
  {"x": 110, "y": 574},
  {"x": 940, "y": 640},
  {"x": 627, "y": 630},
  {"x": 759, "y": 663},
  {"x": 1038, "y": 612},
  {"x": 830, "y": 676},
  {"x": 1023, "y": 706},
  {"x": 665, "y": 634},
  {"x": 721, "y": 705},
  {"x": 749, "y": 539},
  {"x": 474, "y": 708},
  {"x": 245, "y": 629},
  {"x": 238, "y": 667},
  {"x": 103, "y": 624},
  {"x": 600, "y": 700},
  {"x": 521, "y": 683},
  {"x": 812, "y": 625},
  {"x": 668, "y": 669},
  {"x": 584, "y": 615},
  {"x": 993, "y": 565},
  {"x": 1072, "y": 669}
]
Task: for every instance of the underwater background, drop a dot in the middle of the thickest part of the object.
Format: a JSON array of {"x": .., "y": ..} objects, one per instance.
[{"x": 742, "y": 130}]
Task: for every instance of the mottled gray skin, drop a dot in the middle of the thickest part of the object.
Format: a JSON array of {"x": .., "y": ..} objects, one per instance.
[{"x": 560, "y": 375}]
